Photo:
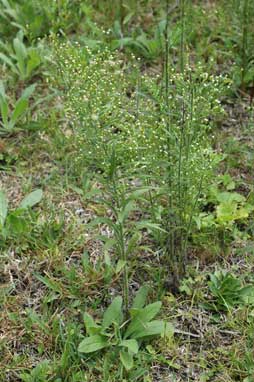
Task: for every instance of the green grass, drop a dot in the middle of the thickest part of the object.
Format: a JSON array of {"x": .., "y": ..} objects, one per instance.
[{"x": 137, "y": 126}]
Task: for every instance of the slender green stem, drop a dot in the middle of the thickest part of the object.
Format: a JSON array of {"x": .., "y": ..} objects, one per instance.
[
  {"x": 190, "y": 222},
  {"x": 170, "y": 247},
  {"x": 123, "y": 255},
  {"x": 180, "y": 186},
  {"x": 182, "y": 5},
  {"x": 121, "y": 12},
  {"x": 119, "y": 230},
  {"x": 244, "y": 40}
]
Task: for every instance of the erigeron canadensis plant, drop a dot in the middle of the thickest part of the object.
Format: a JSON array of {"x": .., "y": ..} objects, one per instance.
[
  {"x": 108, "y": 133},
  {"x": 182, "y": 160},
  {"x": 161, "y": 135}
]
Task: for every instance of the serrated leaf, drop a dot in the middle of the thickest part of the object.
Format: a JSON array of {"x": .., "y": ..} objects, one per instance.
[
  {"x": 131, "y": 345},
  {"x": 113, "y": 313},
  {"x": 126, "y": 359},
  {"x": 92, "y": 344},
  {"x": 3, "y": 208},
  {"x": 32, "y": 199}
]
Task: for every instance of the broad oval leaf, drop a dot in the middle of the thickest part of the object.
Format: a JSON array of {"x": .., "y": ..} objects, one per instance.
[
  {"x": 131, "y": 345},
  {"x": 126, "y": 359},
  {"x": 140, "y": 317},
  {"x": 140, "y": 298},
  {"x": 32, "y": 199},
  {"x": 91, "y": 326},
  {"x": 154, "y": 328},
  {"x": 93, "y": 343},
  {"x": 113, "y": 313},
  {"x": 20, "y": 49}
]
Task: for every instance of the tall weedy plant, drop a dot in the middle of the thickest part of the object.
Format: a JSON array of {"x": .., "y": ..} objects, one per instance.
[
  {"x": 104, "y": 129},
  {"x": 150, "y": 147},
  {"x": 182, "y": 162}
]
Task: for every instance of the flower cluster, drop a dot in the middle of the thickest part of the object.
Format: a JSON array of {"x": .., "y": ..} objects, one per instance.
[{"x": 151, "y": 135}]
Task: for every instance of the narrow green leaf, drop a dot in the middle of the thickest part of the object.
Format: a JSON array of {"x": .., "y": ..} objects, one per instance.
[
  {"x": 19, "y": 109},
  {"x": 140, "y": 298},
  {"x": 92, "y": 344},
  {"x": 32, "y": 63},
  {"x": 113, "y": 313},
  {"x": 19, "y": 48},
  {"x": 6, "y": 4},
  {"x": 2, "y": 90},
  {"x": 123, "y": 215},
  {"x": 132, "y": 243},
  {"x": 4, "y": 110},
  {"x": 101, "y": 220},
  {"x": 150, "y": 226},
  {"x": 7, "y": 61},
  {"x": 21, "y": 54},
  {"x": 126, "y": 359},
  {"x": 138, "y": 193},
  {"x": 28, "y": 91},
  {"x": 51, "y": 284},
  {"x": 120, "y": 265},
  {"x": 32, "y": 199},
  {"x": 88, "y": 320},
  {"x": 3, "y": 208}
]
